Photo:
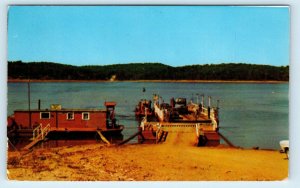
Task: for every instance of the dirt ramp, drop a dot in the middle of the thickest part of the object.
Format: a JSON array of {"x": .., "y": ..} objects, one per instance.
[{"x": 181, "y": 136}]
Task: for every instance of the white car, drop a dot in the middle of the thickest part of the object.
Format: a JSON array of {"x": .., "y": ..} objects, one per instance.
[{"x": 285, "y": 146}]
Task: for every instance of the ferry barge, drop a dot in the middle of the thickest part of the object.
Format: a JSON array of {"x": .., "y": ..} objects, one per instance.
[
  {"x": 24, "y": 123},
  {"x": 177, "y": 114}
]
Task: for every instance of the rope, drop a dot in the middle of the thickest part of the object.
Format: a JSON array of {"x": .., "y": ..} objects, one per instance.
[{"x": 227, "y": 141}]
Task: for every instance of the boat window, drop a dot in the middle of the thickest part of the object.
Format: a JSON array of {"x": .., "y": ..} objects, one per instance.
[
  {"x": 70, "y": 115},
  {"x": 85, "y": 115},
  {"x": 44, "y": 115}
]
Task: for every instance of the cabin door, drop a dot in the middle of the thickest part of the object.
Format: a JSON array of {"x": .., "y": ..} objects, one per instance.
[{"x": 54, "y": 119}]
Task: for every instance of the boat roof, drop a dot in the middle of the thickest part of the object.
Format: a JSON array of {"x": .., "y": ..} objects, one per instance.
[
  {"x": 63, "y": 110},
  {"x": 110, "y": 103}
]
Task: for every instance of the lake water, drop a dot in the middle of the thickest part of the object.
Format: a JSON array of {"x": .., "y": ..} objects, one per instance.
[{"x": 250, "y": 114}]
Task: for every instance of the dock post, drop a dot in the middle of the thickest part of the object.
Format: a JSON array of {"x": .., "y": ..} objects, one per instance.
[
  {"x": 202, "y": 100},
  {"x": 42, "y": 131},
  {"x": 208, "y": 108},
  {"x": 29, "y": 108},
  {"x": 39, "y": 104}
]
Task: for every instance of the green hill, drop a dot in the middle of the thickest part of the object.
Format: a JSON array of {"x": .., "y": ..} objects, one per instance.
[{"x": 146, "y": 71}]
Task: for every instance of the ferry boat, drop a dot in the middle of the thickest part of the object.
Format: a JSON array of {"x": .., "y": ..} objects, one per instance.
[
  {"x": 179, "y": 113},
  {"x": 57, "y": 119}
]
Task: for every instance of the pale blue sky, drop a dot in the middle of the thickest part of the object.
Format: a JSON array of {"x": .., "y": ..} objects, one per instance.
[{"x": 173, "y": 35}]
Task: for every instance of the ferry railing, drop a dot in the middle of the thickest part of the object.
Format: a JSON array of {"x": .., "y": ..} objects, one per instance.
[
  {"x": 143, "y": 122},
  {"x": 197, "y": 129},
  {"x": 204, "y": 110},
  {"x": 36, "y": 131},
  {"x": 158, "y": 132},
  {"x": 40, "y": 131},
  {"x": 45, "y": 130},
  {"x": 213, "y": 119},
  {"x": 158, "y": 111},
  {"x": 211, "y": 116}
]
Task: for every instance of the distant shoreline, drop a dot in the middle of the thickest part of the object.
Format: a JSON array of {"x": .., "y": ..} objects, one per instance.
[{"x": 163, "y": 81}]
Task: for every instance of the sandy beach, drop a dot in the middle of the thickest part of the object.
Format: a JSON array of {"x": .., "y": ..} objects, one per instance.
[
  {"x": 147, "y": 162},
  {"x": 176, "y": 159}
]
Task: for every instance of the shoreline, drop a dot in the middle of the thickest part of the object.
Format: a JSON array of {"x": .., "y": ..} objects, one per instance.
[
  {"x": 154, "y": 81},
  {"x": 98, "y": 162},
  {"x": 176, "y": 159}
]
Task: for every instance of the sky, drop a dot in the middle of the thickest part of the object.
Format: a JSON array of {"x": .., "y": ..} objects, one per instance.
[{"x": 172, "y": 35}]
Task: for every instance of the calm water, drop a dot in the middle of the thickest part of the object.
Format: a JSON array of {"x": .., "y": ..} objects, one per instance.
[{"x": 250, "y": 114}]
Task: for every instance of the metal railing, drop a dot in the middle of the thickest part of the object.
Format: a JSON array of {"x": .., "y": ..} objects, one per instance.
[
  {"x": 40, "y": 132},
  {"x": 213, "y": 119},
  {"x": 211, "y": 116}
]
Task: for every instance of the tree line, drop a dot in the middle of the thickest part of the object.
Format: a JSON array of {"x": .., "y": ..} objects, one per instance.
[{"x": 146, "y": 71}]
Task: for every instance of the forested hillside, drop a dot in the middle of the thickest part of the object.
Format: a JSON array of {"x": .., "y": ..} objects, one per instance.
[{"x": 146, "y": 71}]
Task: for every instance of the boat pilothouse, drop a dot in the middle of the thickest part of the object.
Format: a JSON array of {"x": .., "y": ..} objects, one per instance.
[
  {"x": 143, "y": 108},
  {"x": 111, "y": 121}
]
